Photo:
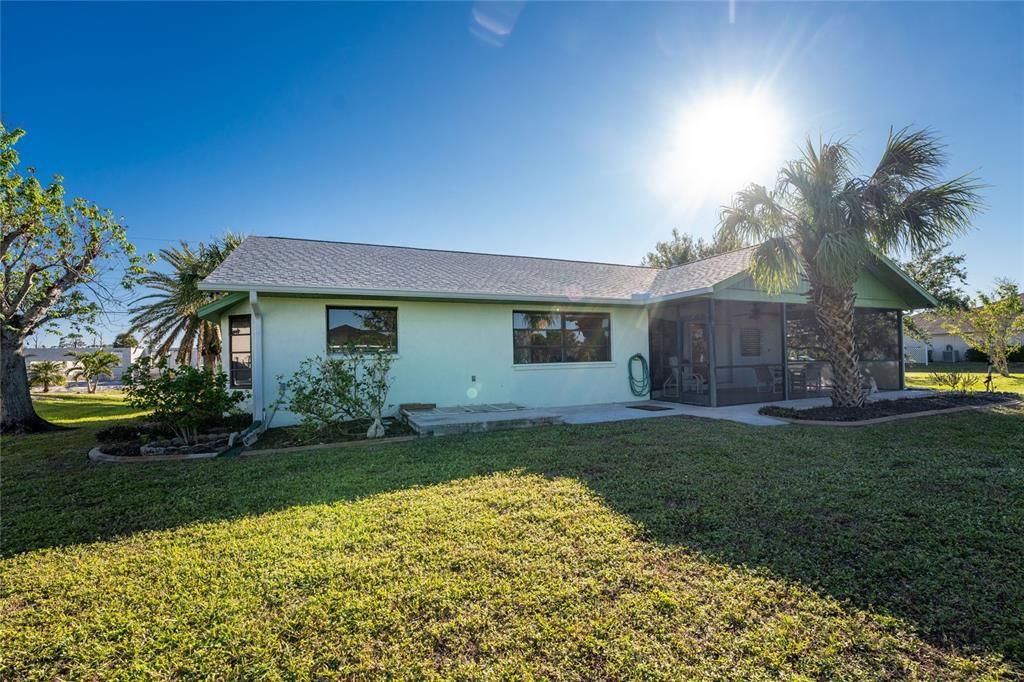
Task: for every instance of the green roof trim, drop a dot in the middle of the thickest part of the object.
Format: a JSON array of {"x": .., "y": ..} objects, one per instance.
[
  {"x": 930, "y": 300},
  {"x": 212, "y": 311},
  {"x": 882, "y": 284}
]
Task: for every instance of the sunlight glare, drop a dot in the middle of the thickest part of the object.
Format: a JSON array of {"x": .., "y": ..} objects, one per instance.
[{"x": 720, "y": 144}]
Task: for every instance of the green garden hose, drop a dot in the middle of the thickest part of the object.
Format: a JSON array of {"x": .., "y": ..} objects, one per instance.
[{"x": 642, "y": 386}]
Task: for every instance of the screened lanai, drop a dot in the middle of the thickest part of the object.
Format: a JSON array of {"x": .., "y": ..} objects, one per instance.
[{"x": 724, "y": 352}]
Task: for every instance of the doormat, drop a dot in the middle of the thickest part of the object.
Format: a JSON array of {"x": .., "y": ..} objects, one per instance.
[{"x": 649, "y": 408}]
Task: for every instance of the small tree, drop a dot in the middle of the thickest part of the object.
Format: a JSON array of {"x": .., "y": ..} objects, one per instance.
[
  {"x": 941, "y": 274},
  {"x": 46, "y": 373},
  {"x": 125, "y": 340},
  {"x": 183, "y": 399},
  {"x": 93, "y": 366},
  {"x": 326, "y": 392},
  {"x": 995, "y": 327},
  {"x": 71, "y": 340},
  {"x": 685, "y": 248}
]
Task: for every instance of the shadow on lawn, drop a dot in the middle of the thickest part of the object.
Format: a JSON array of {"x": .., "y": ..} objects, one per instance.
[{"x": 922, "y": 519}]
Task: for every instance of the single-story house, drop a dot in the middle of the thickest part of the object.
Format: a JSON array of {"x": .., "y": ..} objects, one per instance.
[
  {"x": 470, "y": 328},
  {"x": 941, "y": 345}
]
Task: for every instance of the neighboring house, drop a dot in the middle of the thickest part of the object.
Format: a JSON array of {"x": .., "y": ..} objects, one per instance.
[
  {"x": 62, "y": 355},
  {"x": 941, "y": 346},
  {"x": 172, "y": 358},
  {"x": 469, "y": 328}
]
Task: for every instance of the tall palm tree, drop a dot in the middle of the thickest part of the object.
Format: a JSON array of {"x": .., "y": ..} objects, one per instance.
[
  {"x": 169, "y": 315},
  {"x": 824, "y": 222}
]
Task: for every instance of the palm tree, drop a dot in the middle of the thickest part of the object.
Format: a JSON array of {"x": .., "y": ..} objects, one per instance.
[
  {"x": 824, "y": 222},
  {"x": 169, "y": 315},
  {"x": 46, "y": 373},
  {"x": 93, "y": 366}
]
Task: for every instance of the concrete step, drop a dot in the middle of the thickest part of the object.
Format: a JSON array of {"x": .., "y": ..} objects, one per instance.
[{"x": 433, "y": 424}]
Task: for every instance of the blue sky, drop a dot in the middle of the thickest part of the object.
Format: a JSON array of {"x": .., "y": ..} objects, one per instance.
[{"x": 536, "y": 129}]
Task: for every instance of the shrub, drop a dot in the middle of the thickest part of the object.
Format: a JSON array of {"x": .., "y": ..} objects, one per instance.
[
  {"x": 955, "y": 381},
  {"x": 120, "y": 433},
  {"x": 975, "y": 355},
  {"x": 183, "y": 399},
  {"x": 325, "y": 392}
]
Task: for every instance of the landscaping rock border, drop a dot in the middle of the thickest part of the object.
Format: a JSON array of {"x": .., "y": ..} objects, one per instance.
[{"x": 97, "y": 455}]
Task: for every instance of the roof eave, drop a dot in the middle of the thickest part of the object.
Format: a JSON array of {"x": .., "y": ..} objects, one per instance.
[
  {"x": 638, "y": 299},
  {"x": 211, "y": 312}
]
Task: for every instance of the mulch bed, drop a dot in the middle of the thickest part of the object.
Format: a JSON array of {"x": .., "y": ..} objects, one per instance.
[
  {"x": 128, "y": 440},
  {"x": 888, "y": 408},
  {"x": 294, "y": 436}
]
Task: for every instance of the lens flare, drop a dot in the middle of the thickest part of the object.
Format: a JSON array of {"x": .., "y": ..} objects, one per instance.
[{"x": 719, "y": 144}]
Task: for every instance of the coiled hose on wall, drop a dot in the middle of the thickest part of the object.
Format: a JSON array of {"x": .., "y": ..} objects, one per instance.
[{"x": 640, "y": 386}]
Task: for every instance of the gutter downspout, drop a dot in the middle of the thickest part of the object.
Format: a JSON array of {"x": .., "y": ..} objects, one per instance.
[
  {"x": 903, "y": 352},
  {"x": 257, "y": 357}
]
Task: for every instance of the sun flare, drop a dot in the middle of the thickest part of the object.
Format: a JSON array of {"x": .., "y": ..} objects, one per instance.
[{"x": 721, "y": 143}]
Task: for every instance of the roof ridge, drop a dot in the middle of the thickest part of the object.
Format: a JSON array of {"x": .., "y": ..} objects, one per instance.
[
  {"x": 470, "y": 253},
  {"x": 703, "y": 258}
]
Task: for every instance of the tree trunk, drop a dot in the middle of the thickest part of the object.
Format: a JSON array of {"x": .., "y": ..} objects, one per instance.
[
  {"x": 16, "y": 412},
  {"x": 833, "y": 309},
  {"x": 1000, "y": 358}
]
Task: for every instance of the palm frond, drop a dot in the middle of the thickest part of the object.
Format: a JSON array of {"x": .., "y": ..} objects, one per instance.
[
  {"x": 911, "y": 157},
  {"x": 169, "y": 309},
  {"x": 775, "y": 265},
  {"x": 840, "y": 257},
  {"x": 754, "y": 216}
]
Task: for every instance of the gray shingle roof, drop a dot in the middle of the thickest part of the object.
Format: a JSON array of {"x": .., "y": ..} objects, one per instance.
[
  {"x": 280, "y": 264},
  {"x": 701, "y": 274}
]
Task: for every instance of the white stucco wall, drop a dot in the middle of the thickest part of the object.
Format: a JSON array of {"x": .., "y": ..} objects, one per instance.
[
  {"x": 917, "y": 350},
  {"x": 452, "y": 353}
]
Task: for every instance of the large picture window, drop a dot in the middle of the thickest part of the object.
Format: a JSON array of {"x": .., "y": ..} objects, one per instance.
[
  {"x": 362, "y": 329},
  {"x": 240, "y": 350},
  {"x": 543, "y": 337}
]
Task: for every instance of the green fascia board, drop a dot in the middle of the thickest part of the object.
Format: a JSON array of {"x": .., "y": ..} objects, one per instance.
[
  {"x": 882, "y": 285},
  {"x": 925, "y": 299},
  {"x": 212, "y": 311}
]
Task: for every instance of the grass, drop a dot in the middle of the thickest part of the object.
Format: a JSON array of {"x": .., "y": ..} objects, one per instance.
[
  {"x": 665, "y": 548},
  {"x": 920, "y": 376}
]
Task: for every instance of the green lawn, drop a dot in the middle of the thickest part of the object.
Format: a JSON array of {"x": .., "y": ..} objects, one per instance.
[
  {"x": 666, "y": 548},
  {"x": 920, "y": 376}
]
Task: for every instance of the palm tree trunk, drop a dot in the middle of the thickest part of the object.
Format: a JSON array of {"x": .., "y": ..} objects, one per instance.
[
  {"x": 210, "y": 345},
  {"x": 833, "y": 309}
]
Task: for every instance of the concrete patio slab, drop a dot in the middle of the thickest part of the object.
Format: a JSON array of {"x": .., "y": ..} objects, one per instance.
[{"x": 474, "y": 418}]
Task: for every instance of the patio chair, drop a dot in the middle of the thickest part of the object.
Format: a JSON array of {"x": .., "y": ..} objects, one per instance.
[
  {"x": 670, "y": 388},
  {"x": 694, "y": 383},
  {"x": 769, "y": 379}
]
